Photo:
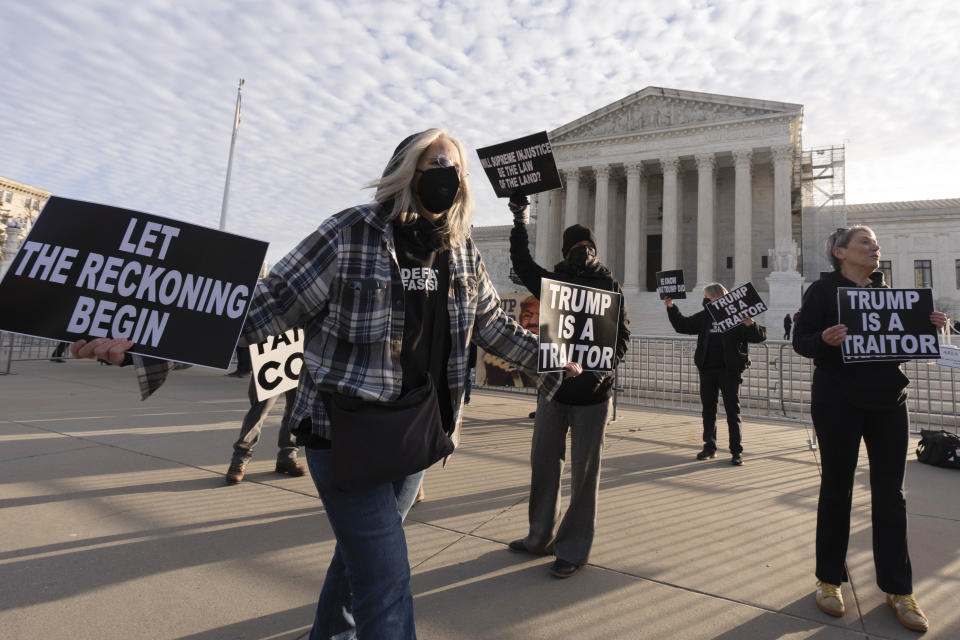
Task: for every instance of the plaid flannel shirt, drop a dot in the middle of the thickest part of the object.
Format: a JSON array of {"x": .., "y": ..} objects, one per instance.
[{"x": 342, "y": 285}]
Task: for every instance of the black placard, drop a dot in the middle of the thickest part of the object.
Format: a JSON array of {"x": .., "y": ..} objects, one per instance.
[
  {"x": 177, "y": 290},
  {"x": 887, "y": 324},
  {"x": 670, "y": 285},
  {"x": 577, "y": 324},
  {"x": 732, "y": 309},
  {"x": 523, "y": 166}
]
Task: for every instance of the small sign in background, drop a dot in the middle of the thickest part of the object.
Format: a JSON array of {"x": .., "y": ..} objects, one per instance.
[
  {"x": 670, "y": 285},
  {"x": 732, "y": 309},
  {"x": 276, "y": 363}
]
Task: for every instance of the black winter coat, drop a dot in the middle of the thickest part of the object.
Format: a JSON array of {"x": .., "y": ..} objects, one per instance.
[
  {"x": 868, "y": 384},
  {"x": 591, "y": 387},
  {"x": 736, "y": 355}
]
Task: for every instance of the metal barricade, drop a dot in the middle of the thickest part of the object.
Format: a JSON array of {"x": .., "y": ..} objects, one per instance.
[
  {"x": 659, "y": 372},
  {"x": 16, "y": 348}
]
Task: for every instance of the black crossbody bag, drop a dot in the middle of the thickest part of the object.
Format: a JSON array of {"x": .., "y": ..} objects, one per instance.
[{"x": 377, "y": 442}]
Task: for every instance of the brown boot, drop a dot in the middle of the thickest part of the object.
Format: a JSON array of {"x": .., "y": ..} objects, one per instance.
[
  {"x": 235, "y": 472},
  {"x": 291, "y": 467}
]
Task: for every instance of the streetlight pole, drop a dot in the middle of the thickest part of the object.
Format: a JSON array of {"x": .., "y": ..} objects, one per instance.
[{"x": 233, "y": 144}]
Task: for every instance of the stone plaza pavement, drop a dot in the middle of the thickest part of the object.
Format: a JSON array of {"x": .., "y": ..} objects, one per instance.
[{"x": 115, "y": 522}]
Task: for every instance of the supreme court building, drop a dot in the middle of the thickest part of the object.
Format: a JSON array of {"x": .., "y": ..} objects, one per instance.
[{"x": 671, "y": 179}]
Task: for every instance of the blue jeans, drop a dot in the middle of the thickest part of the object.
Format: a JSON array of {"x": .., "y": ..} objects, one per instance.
[{"x": 369, "y": 576}]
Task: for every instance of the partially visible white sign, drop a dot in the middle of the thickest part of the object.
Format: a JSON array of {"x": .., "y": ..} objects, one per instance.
[
  {"x": 949, "y": 356},
  {"x": 276, "y": 363}
]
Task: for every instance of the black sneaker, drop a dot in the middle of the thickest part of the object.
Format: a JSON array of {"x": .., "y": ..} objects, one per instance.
[
  {"x": 706, "y": 454},
  {"x": 737, "y": 460}
]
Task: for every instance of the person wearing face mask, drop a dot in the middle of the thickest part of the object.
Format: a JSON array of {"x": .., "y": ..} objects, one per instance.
[
  {"x": 390, "y": 295},
  {"x": 721, "y": 359},
  {"x": 849, "y": 403},
  {"x": 582, "y": 406}
]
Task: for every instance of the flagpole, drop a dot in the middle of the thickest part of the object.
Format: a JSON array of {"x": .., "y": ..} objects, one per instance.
[{"x": 233, "y": 144}]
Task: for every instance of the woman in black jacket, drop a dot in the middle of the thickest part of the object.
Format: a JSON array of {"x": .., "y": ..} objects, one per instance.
[
  {"x": 721, "y": 359},
  {"x": 848, "y": 402}
]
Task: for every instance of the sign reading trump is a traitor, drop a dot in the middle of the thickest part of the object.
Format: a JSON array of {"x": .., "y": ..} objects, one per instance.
[
  {"x": 732, "y": 309},
  {"x": 887, "y": 324},
  {"x": 577, "y": 324},
  {"x": 521, "y": 167},
  {"x": 178, "y": 291}
]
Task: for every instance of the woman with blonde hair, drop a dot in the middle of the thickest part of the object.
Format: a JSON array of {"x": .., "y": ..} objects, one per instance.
[
  {"x": 390, "y": 295},
  {"x": 850, "y": 402}
]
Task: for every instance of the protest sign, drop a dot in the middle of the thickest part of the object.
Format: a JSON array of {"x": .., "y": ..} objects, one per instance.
[
  {"x": 523, "y": 166},
  {"x": 949, "y": 356},
  {"x": 577, "y": 324},
  {"x": 494, "y": 371},
  {"x": 276, "y": 363},
  {"x": 887, "y": 324},
  {"x": 732, "y": 309},
  {"x": 178, "y": 291},
  {"x": 670, "y": 285}
]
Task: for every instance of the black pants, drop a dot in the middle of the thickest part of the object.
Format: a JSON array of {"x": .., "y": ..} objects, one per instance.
[
  {"x": 839, "y": 429},
  {"x": 712, "y": 382}
]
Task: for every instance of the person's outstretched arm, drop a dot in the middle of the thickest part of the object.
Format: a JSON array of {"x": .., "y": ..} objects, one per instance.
[{"x": 523, "y": 263}]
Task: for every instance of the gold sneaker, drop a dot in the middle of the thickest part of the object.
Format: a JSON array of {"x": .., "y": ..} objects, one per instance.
[
  {"x": 908, "y": 611},
  {"x": 829, "y": 599}
]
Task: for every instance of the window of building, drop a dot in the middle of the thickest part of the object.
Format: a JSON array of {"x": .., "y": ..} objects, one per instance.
[
  {"x": 763, "y": 261},
  {"x": 886, "y": 268},
  {"x": 923, "y": 274},
  {"x": 9, "y": 197},
  {"x": 26, "y": 202},
  {"x": 730, "y": 262},
  {"x": 36, "y": 204}
]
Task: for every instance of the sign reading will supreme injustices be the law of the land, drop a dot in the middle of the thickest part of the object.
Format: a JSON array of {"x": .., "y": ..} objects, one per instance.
[
  {"x": 521, "y": 167},
  {"x": 178, "y": 291},
  {"x": 887, "y": 324},
  {"x": 733, "y": 308},
  {"x": 577, "y": 324},
  {"x": 670, "y": 285},
  {"x": 276, "y": 363}
]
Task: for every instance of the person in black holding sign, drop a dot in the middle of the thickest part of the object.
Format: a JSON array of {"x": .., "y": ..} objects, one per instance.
[
  {"x": 850, "y": 402},
  {"x": 721, "y": 359},
  {"x": 389, "y": 295},
  {"x": 582, "y": 406}
]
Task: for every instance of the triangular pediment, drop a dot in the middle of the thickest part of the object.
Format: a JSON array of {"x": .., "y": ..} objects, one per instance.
[{"x": 655, "y": 108}]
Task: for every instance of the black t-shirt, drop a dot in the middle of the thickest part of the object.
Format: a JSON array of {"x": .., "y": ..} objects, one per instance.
[
  {"x": 714, "y": 349},
  {"x": 425, "y": 273}
]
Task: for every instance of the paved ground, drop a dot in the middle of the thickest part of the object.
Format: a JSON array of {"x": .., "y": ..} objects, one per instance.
[{"x": 116, "y": 523}]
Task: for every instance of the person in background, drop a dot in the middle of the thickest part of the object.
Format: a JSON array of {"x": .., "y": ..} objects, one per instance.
[
  {"x": 787, "y": 323},
  {"x": 849, "y": 403},
  {"x": 250, "y": 428},
  {"x": 57, "y": 355},
  {"x": 582, "y": 406},
  {"x": 721, "y": 359},
  {"x": 244, "y": 365}
]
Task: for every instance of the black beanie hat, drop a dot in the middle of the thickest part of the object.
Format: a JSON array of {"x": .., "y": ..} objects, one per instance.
[{"x": 574, "y": 234}]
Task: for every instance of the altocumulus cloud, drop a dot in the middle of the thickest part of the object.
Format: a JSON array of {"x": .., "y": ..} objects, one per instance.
[{"x": 131, "y": 103}]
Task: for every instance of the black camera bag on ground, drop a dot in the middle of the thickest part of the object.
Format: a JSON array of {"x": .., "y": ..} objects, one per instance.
[{"x": 939, "y": 448}]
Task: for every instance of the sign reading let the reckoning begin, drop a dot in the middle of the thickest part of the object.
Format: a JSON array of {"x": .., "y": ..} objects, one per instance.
[{"x": 177, "y": 290}]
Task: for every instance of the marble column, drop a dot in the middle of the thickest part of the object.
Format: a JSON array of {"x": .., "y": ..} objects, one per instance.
[
  {"x": 635, "y": 226},
  {"x": 543, "y": 203},
  {"x": 782, "y": 166},
  {"x": 601, "y": 214},
  {"x": 555, "y": 230},
  {"x": 706, "y": 217},
  {"x": 671, "y": 215},
  {"x": 742, "y": 217},
  {"x": 573, "y": 196}
]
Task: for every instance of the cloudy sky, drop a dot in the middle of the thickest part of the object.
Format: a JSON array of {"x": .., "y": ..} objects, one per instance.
[{"x": 131, "y": 102}]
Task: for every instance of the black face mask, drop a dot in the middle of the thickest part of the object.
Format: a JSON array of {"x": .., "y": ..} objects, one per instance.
[
  {"x": 582, "y": 258},
  {"x": 438, "y": 188}
]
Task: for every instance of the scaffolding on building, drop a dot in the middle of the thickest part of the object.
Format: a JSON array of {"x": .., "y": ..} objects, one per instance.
[{"x": 823, "y": 203}]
